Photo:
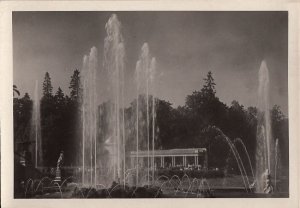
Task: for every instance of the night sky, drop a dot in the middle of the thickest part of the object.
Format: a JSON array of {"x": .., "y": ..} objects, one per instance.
[{"x": 186, "y": 45}]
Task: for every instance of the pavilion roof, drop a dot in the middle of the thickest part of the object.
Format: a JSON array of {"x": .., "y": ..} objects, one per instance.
[{"x": 171, "y": 152}]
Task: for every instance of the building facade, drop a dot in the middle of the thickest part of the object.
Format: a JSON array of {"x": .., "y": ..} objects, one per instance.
[{"x": 191, "y": 157}]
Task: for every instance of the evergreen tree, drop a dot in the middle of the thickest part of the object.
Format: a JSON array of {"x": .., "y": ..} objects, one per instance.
[
  {"x": 59, "y": 96},
  {"x": 208, "y": 89},
  {"x": 48, "y": 114},
  {"x": 47, "y": 86},
  {"x": 26, "y": 97},
  {"x": 75, "y": 85},
  {"x": 195, "y": 101},
  {"x": 22, "y": 117}
]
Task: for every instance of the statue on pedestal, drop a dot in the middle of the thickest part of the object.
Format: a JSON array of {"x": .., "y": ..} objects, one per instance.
[
  {"x": 268, "y": 189},
  {"x": 58, "y": 167}
]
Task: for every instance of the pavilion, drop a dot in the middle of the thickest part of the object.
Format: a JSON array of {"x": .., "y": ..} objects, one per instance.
[{"x": 172, "y": 157}]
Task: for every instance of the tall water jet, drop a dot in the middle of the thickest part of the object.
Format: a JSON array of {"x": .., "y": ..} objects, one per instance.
[
  {"x": 276, "y": 163},
  {"x": 145, "y": 69},
  {"x": 114, "y": 54},
  {"x": 264, "y": 134},
  {"x": 36, "y": 127},
  {"x": 89, "y": 119},
  {"x": 152, "y": 81},
  {"x": 137, "y": 74}
]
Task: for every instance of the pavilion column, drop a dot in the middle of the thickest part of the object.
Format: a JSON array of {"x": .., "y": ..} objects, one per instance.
[{"x": 197, "y": 160}]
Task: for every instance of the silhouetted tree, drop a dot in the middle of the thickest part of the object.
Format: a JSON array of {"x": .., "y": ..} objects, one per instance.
[
  {"x": 72, "y": 131},
  {"x": 59, "y": 96},
  {"x": 47, "y": 86},
  {"x": 75, "y": 85},
  {"x": 280, "y": 131},
  {"x": 48, "y": 115},
  {"x": 22, "y": 119},
  {"x": 208, "y": 89},
  {"x": 196, "y": 124},
  {"x": 164, "y": 112}
]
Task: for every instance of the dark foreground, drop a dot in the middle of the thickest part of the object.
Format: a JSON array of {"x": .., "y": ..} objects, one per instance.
[{"x": 119, "y": 191}]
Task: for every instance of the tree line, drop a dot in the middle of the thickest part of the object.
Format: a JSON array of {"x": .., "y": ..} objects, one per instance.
[{"x": 186, "y": 126}]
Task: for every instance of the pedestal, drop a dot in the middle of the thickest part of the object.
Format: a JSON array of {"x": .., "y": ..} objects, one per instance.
[{"x": 57, "y": 175}]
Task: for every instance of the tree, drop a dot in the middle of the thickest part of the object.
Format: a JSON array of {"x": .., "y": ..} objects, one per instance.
[
  {"x": 75, "y": 85},
  {"x": 208, "y": 89},
  {"x": 59, "y": 96},
  {"x": 280, "y": 129},
  {"x": 22, "y": 116},
  {"x": 47, "y": 86},
  {"x": 236, "y": 120},
  {"x": 277, "y": 114},
  {"x": 48, "y": 114},
  {"x": 71, "y": 130},
  {"x": 15, "y": 90},
  {"x": 277, "y": 119},
  {"x": 164, "y": 121},
  {"x": 204, "y": 108}
]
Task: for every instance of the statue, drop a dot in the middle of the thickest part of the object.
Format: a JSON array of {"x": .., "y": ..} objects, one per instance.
[
  {"x": 60, "y": 159},
  {"x": 58, "y": 167},
  {"x": 268, "y": 189}
]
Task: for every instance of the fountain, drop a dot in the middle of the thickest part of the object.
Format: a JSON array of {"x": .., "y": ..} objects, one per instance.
[
  {"x": 276, "y": 164},
  {"x": 264, "y": 134},
  {"x": 246, "y": 152},
  {"x": 145, "y": 73},
  {"x": 36, "y": 128},
  {"x": 89, "y": 119},
  {"x": 103, "y": 169},
  {"x": 114, "y": 140},
  {"x": 114, "y": 65},
  {"x": 236, "y": 155}
]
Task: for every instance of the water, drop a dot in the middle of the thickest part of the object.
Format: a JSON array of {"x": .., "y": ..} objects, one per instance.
[
  {"x": 89, "y": 119},
  {"x": 113, "y": 137},
  {"x": 36, "y": 127},
  {"x": 264, "y": 134},
  {"x": 99, "y": 169},
  {"x": 245, "y": 151},
  {"x": 276, "y": 163},
  {"x": 114, "y": 64},
  {"x": 238, "y": 160},
  {"x": 114, "y": 142},
  {"x": 236, "y": 155},
  {"x": 152, "y": 82},
  {"x": 145, "y": 81}
]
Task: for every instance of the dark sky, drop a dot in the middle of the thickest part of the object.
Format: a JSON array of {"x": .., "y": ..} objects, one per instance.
[{"x": 186, "y": 46}]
